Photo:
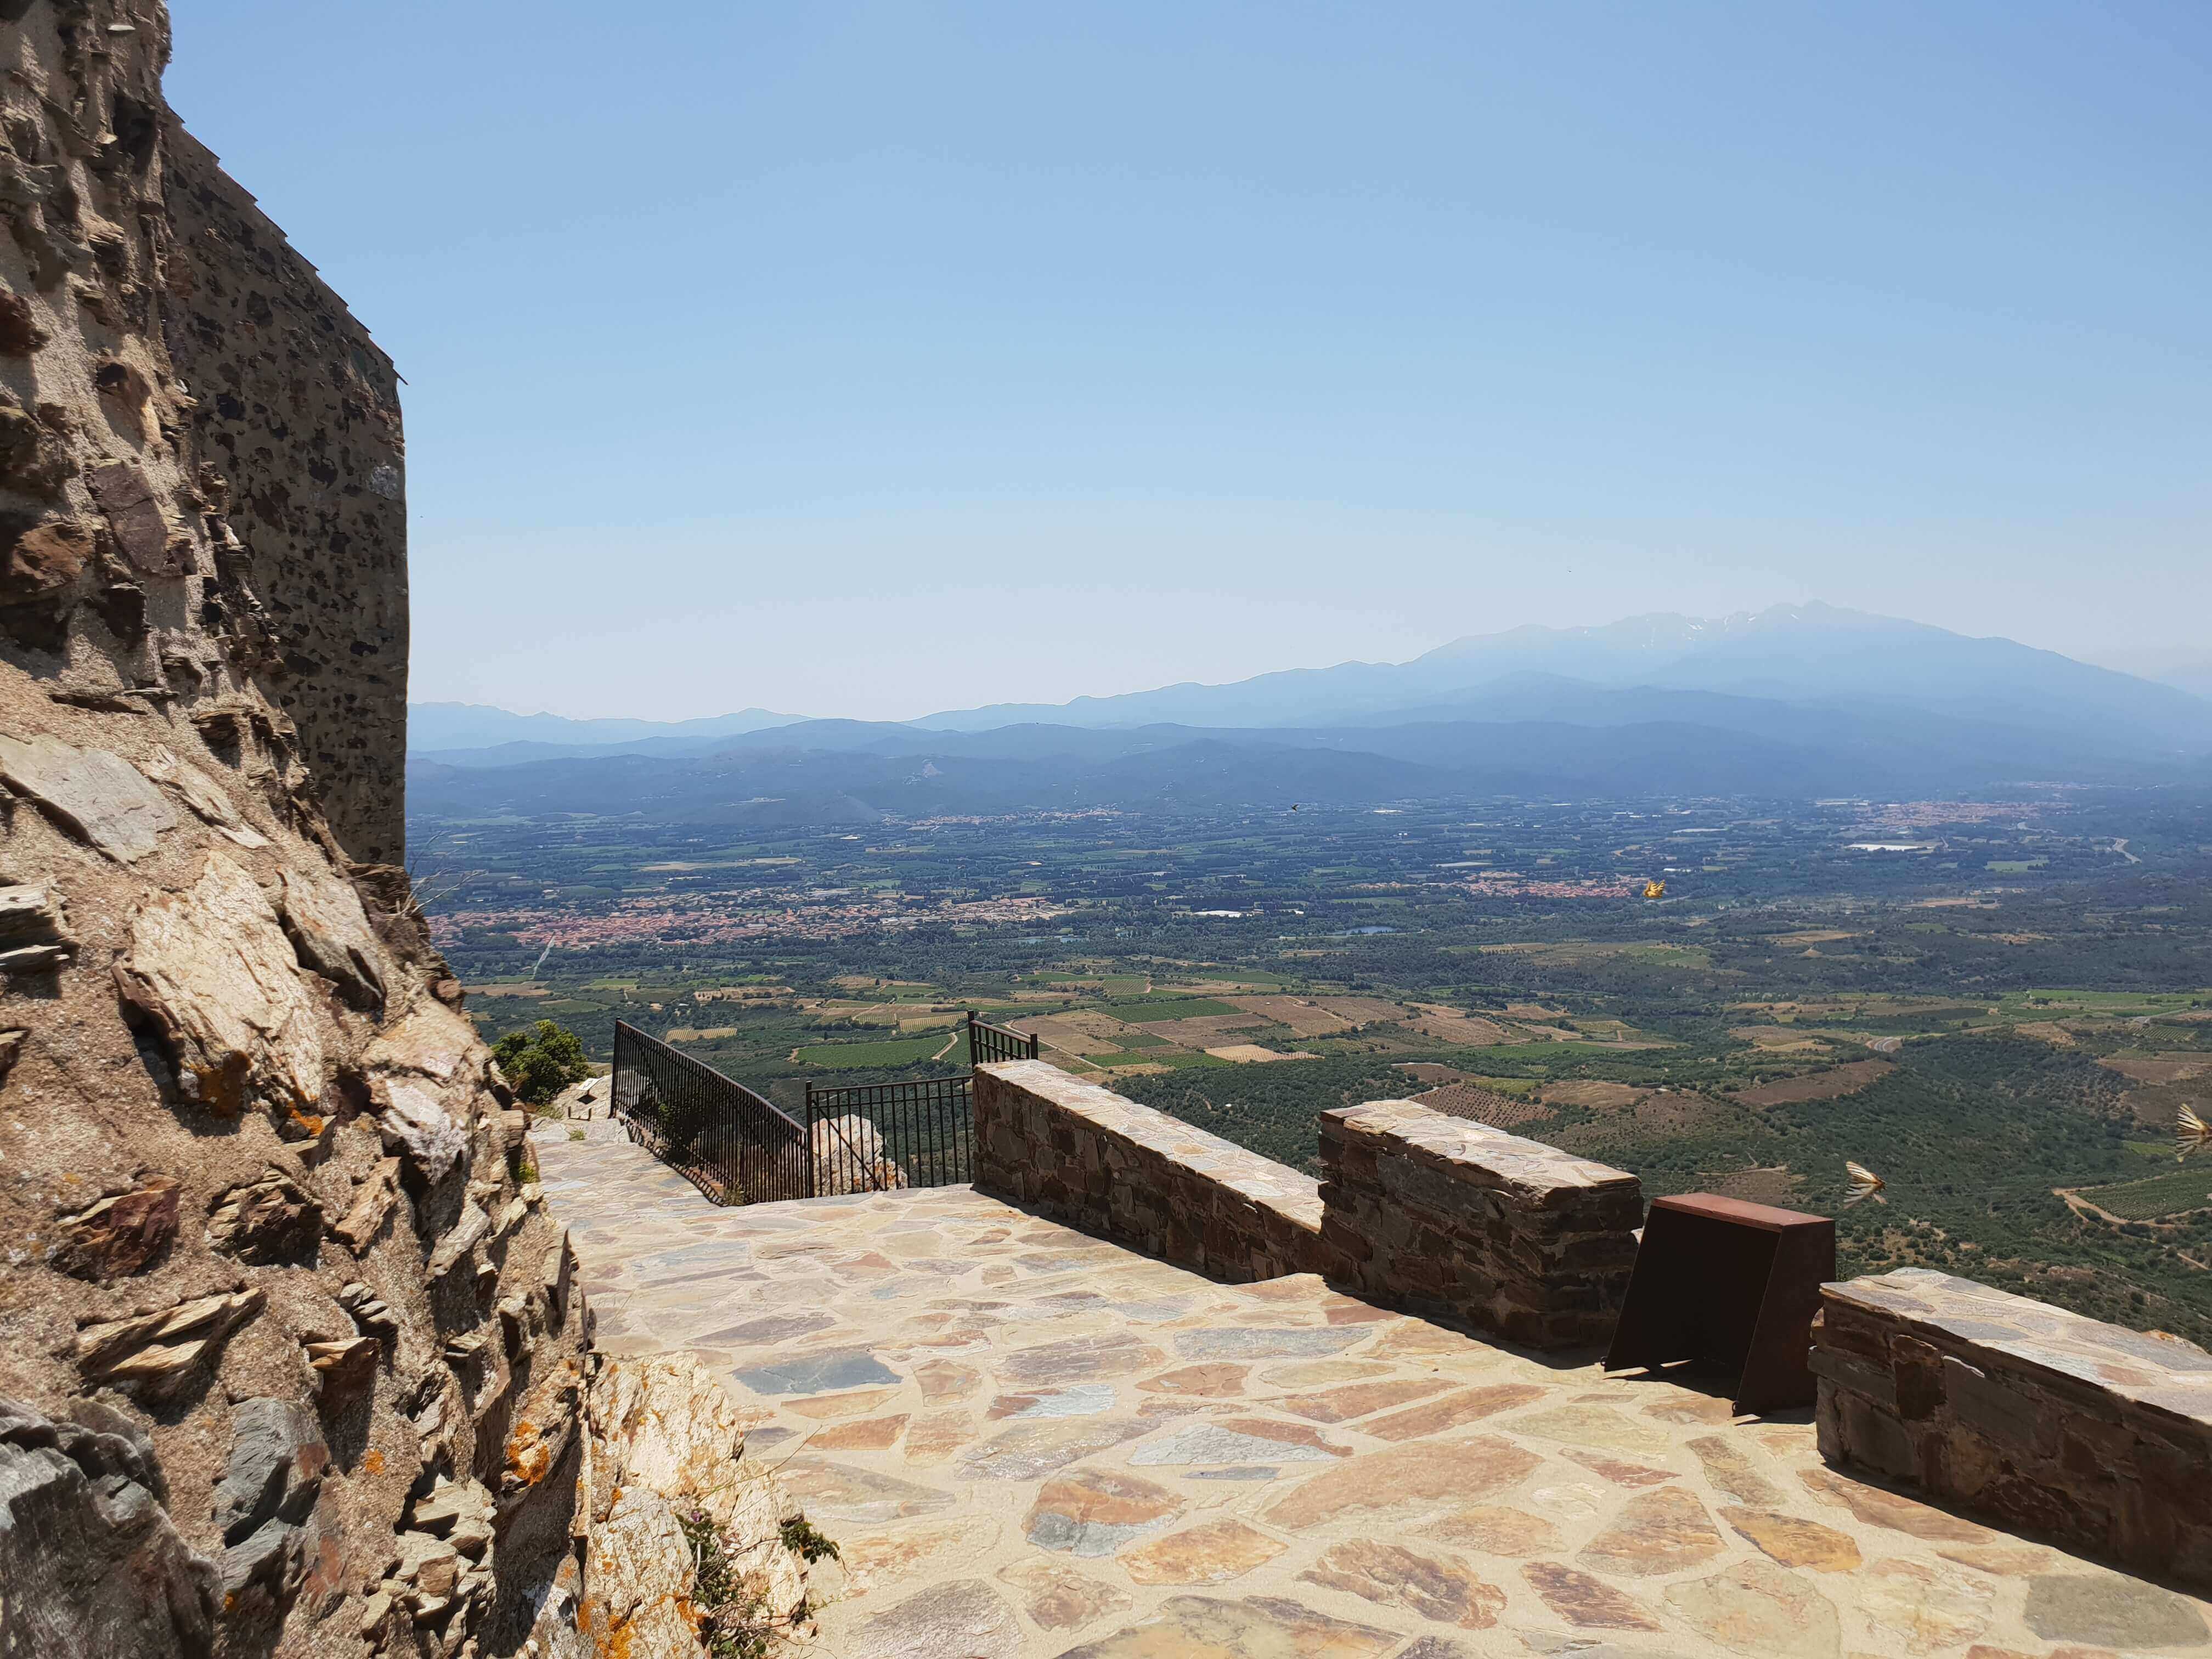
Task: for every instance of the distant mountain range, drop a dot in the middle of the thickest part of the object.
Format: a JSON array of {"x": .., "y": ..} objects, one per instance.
[
  {"x": 1796, "y": 700},
  {"x": 440, "y": 726}
]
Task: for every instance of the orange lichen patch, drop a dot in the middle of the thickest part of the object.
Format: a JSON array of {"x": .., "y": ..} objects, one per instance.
[
  {"x": 306, "y": 1125},
  {"x": 529, "y": 1459},
  {"x": 221, "y": 1087},
  {"x": 371, "y": 1461}
]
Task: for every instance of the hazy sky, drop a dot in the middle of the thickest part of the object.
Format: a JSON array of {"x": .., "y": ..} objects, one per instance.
[{"x": 870, "y": 359}]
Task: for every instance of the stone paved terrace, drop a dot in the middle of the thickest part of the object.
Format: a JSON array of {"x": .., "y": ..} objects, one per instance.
[{"x": 1027, "y": 1441}]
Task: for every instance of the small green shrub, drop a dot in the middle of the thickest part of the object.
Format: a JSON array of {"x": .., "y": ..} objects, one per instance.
[
  {"x": 803, "y": 1539},
  {"x": 540, "y": 1060}
]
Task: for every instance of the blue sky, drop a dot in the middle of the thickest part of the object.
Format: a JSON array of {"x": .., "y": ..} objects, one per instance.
[{"x": 869, "y": 359}]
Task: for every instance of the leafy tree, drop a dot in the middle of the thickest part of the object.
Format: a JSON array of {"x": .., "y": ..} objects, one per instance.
[{"x": 540, "y": 1061}]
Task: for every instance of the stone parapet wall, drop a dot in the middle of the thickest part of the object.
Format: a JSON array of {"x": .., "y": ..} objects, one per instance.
[
  {"x": 1459, "y": 1221},
  {"x": 2046, "y": 1421},
  {"x": 1087, "y": 1157}
]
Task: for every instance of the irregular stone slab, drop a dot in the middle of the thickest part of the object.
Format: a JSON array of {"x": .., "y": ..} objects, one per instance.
[
  {"x": 1655, "y": 1531},
  {"x": 154, "y": 1354},
  {"x": 271, "y": 1219},
  {"x": 1495, "y": 1529},
  {"x": 768, "y": 1332},
  {"x": 2108, "y": 1610},
  {"x": 1078, "y": 1359},
  {"x": 99, "y": 797},
  {"x": 1057, "y": 1597},
  {"x": 331, "y": 932},
  {"x": 34, "y": 936},
  {"x": 829, "y": 1406},
  {"x": 1757, "y": 1609},
  {"x": 941, "y": 1379},
  {"x": 1795, "y": 1541},
  {"x": 469, "y": 1229},
  {"x": 275, "y": 1469},
  {"x": 211, "y": 971},
  {"x": 1211, "y": 1553},
  {"x": 1257, "y": 1627},
  {"x": 839, "y": 1491},
  {"x": 871, "y": 1559},
  {"x": 1453, "y": 1411},
  {"x": 417, "y": 1126},
  {"x": 1620, "y": 1473},
  {"x": 1588, "y": 1424},
  {"x": 1406, "y": 1480},
  {"x": 1318, "y": 1373},
  {"x": 1924, "y": 1607},
  {"x": 1250, "y": 1342},
  {"x": 2005, "y": 1560},
  {"x": 1033, "y": 1449},
  {"x": 204, "y": 796},
  {"x": 1358, "y": 1399},
  {"x": 1878, "y": 1508},
  {"x": 132, "y": 1585},
  {"x": 934, "y": 1437},
  {"x": 1084, "y": 1400},
  {"x": 1586, "y": 1603},
  {"x": 134, "y": 515},
  {"x": 868, "y": 1434},
  {"x": 1200, "y": 1381},
  {"x": 432, "y": 1040},
  {"x": 964, "y": 1619},
  {"x": 1392, "y": 1575},
  {"x": 1728, "y": 1466},
  {"x": 1096, "y": 1512},
  {"x": 120, "y": 1236},
  {"x": 373, "y": 1200},
  {"x": 1236, "y": 1441},
  {"x": 343, "y": 1369}
]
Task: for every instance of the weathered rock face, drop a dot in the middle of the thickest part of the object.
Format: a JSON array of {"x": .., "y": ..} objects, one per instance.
[
  {"x": 240, "y": 1119},
  {"x": 92, "y": 1561},
  {"x": 850, "y": 1156},
  {"x": 687, "y": 1538}
]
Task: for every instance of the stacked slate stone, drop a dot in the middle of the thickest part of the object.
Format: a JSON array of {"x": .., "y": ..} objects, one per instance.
[
  {"x": 1087, "y": 1157},
  {"x": 1463, "y": 1223},
  {"x": 2045, "y": 1420}
]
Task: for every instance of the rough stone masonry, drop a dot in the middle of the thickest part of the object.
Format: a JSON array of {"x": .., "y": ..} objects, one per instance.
[
  {"x": 1459, "y": 1221},
  {"x": 290, "y": 1358}
]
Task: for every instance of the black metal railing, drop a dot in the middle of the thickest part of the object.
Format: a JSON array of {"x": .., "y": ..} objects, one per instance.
[
  {"x": 988, "y": 1042},
  {"x": 737, "y": 1148},
  {"x": 878, "y": 1136},
  {"x": 733, "y": 1145}
]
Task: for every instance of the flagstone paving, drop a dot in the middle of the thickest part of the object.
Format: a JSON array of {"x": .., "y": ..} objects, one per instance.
[{"x": 1028, "y": 1441}]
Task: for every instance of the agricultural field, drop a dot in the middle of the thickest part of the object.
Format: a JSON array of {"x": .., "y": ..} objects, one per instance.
[{"x": 2000, "y": 1046}]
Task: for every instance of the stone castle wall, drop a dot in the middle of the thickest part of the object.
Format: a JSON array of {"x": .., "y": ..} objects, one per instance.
[
  {"x": 298, "y": 409},
  {"x": 290, "y": 1357}
]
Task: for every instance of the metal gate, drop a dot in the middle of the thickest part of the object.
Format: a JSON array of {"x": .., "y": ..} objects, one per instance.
[{"x": 739, "y": 1147}]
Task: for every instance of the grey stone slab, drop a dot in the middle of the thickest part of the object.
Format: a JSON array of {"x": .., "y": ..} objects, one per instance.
[
  {"x": 819, "y": 1373},
  {"x": 1260, "y": 1342}
]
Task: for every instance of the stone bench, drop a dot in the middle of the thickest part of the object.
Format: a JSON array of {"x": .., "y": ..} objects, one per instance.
[
  {"x": 2085, "y": 1432},
  {"x": 1459, "y": 1221},
  {"x": 1087, "y": 1157}
]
